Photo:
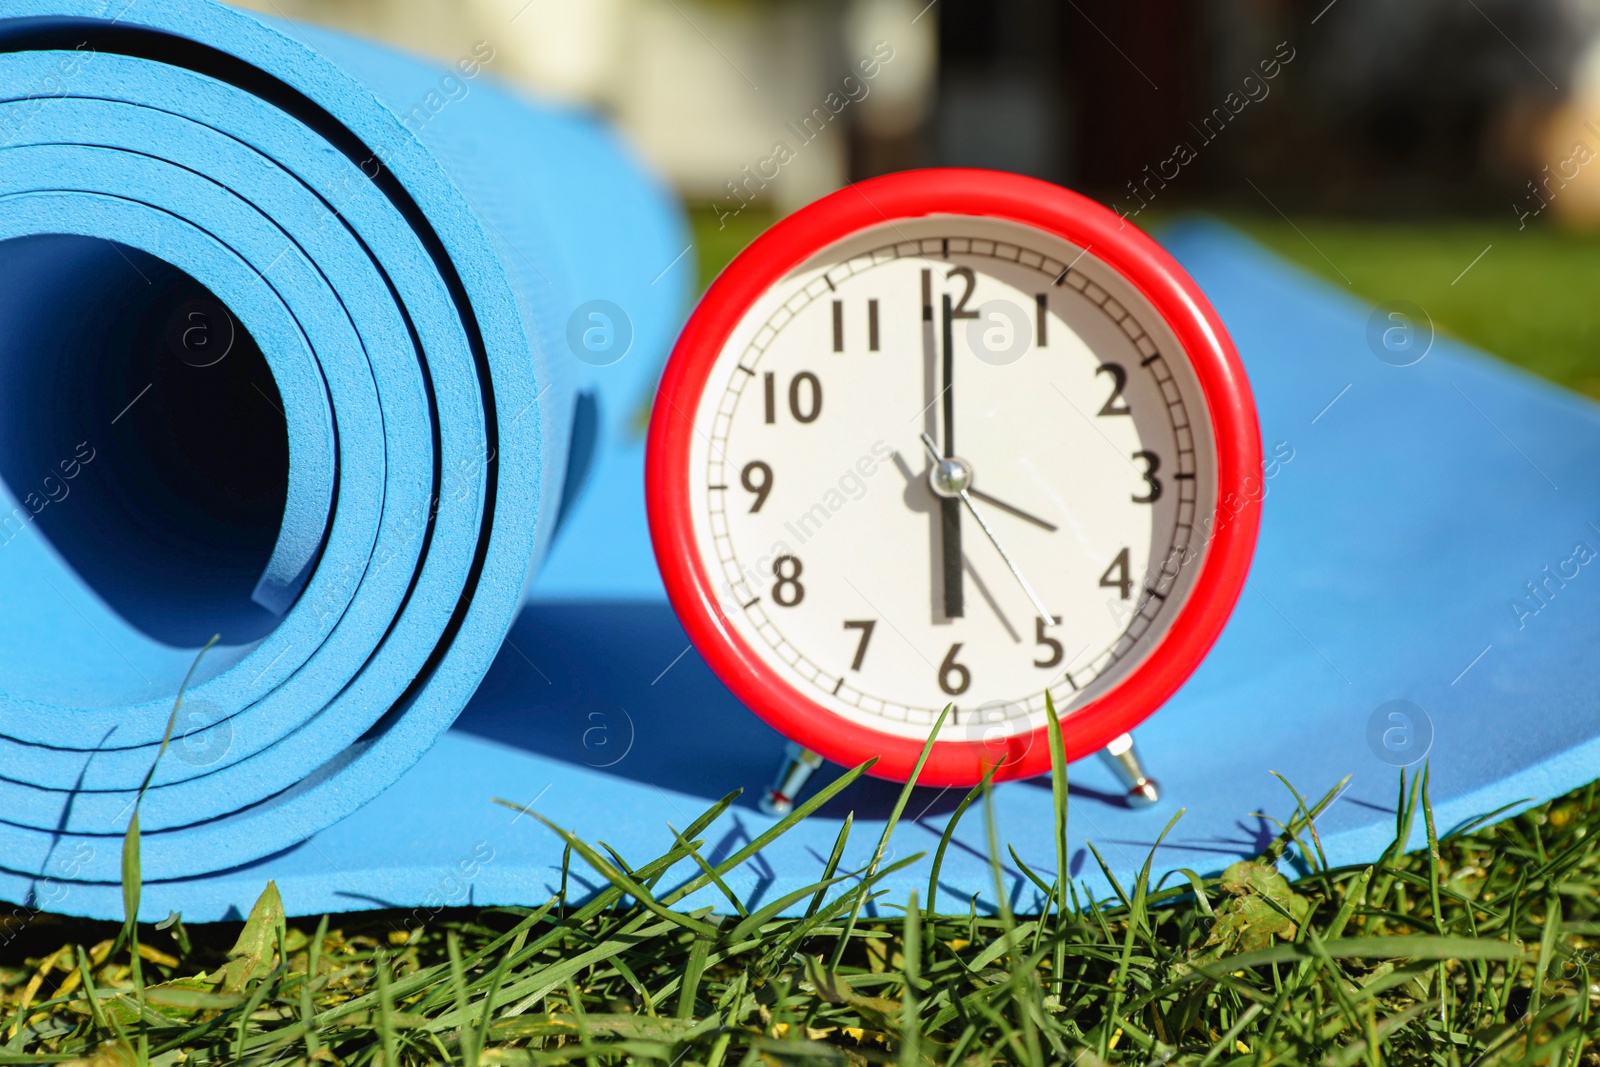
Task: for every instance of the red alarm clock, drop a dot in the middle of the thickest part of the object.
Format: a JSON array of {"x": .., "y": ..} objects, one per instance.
[{"x": 953, "y": 438}]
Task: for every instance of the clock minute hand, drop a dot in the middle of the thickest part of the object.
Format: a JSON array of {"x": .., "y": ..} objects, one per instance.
[
  {"x": 950, "y": 479},
  {"x": 949, "y": 509}
]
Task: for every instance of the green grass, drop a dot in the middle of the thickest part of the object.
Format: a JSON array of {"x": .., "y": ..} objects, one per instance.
[
  {"x": 1483, "y": 949},
  {"x": 715, "y": 245},
  {"x": 1530, "y": 299}
]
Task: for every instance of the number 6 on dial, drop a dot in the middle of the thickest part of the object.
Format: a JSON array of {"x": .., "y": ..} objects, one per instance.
[{"x": 953, "y": 438}]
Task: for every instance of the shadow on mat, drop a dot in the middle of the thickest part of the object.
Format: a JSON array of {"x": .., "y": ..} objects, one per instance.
[{"x": 616, "y": 686}]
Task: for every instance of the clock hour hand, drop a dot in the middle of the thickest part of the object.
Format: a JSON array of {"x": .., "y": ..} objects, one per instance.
[
  {"x": 950, "y": 479},
  {"x": 1013, "y": 509}
]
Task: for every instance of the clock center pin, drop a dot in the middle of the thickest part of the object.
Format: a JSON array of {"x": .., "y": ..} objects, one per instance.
[{"x": 950, "y": 477}]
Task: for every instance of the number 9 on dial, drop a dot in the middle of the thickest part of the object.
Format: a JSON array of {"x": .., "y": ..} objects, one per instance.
[{"x": 953, "y": 439}]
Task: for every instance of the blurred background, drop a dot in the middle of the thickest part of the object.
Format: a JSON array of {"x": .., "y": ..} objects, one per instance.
[{"x": 1445, "y": 152}]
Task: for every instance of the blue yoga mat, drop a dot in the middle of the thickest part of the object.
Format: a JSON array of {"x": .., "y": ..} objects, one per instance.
[
  {"x": 1416, "y": 504},
  {"x": 306, "y": 344}
]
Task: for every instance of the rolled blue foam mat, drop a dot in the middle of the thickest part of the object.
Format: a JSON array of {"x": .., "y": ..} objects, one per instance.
[
  {"x": 305, "y": 344},
  {"x": 1410, "y": 509}
]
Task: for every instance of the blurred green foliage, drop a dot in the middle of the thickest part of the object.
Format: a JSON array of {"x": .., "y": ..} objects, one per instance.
[
  {"x": 1533, "y": 298},
  {"x": 716, "y": 243}
]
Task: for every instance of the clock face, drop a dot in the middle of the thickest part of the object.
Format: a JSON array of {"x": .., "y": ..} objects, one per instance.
[{"x": 946, "y": 460}]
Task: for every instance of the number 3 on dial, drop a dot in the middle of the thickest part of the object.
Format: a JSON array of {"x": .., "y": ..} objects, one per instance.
[{"x": 953, "y": 438}]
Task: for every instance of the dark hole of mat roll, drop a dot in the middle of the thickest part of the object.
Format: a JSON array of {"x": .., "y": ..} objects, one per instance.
[{"x": 143, "y": 437}]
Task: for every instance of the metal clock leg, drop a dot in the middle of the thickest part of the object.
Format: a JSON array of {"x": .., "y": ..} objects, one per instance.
[
  {"x": 1123, "y": 759},
  {"x": 799, "y": 763}
]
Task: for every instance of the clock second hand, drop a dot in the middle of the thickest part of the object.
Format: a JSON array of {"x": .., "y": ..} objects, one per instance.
[{"x": 966, "y": 498}]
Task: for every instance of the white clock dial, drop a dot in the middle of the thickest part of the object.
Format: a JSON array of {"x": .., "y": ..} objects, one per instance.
[{"x": 1068, "y": 413}]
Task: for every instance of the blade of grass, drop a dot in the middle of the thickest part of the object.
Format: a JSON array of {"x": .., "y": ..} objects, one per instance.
[
  {"x": 495, "y": 981},
  {"x": 716, "y": 879},
  {"x": 1058, "y": 800},
  {"x": 1030, "y": 1037},
  {"x": 949, "y": 831},
  {"x": 627, "y": 885},
  {"x": 888, "y": 831},
  {"x": 458, "y": 982},
  {"x": 769, "y": 912},
  {"x": 307, "y": 997},
  {"x": 691, "y": 977},
  {"x": 1310, "y": 817},
  {"x": 911, "y": 968},
  {"x": 132, "y": 870},
  {"x": 386, "y": 1034},
  {"x": 832, "y": 865}
]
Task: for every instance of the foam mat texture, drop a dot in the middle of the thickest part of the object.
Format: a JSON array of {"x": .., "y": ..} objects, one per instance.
[{"x": 302, "y": 342}]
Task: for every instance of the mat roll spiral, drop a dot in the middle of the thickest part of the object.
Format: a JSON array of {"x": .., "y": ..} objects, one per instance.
[{"x": 286, "y": 358}]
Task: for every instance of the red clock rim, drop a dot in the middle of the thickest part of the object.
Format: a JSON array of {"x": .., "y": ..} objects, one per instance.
[{"x": 1031, "y": 202}]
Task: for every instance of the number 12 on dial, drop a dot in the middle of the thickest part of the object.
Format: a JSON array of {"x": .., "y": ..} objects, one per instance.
[{"x": 953, "y": 439}]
